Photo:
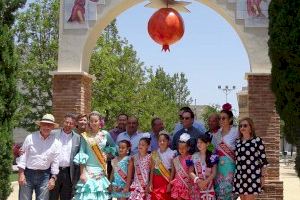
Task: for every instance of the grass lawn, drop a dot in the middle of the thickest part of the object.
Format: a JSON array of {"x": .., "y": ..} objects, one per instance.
[{"x": 13, "y": 177}]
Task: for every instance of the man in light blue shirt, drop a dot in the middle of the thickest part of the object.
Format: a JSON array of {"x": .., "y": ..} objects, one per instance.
[
  {"x": 196, "y": 124},
  {"x": 131, "y": 134}
]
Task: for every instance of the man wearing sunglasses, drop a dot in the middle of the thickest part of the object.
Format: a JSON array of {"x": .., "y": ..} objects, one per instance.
[
  {"x": 187, "y": 123},
  {"x": 197, "y": 124}
]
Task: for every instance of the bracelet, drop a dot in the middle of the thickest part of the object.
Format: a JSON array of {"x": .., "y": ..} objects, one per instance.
[{"x": 196, "y": 179}]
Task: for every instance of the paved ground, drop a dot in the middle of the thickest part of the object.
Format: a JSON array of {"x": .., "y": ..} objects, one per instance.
[{"x": 291, "y": 184}]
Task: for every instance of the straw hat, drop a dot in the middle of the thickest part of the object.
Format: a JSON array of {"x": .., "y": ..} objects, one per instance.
[{"x": 49, "y": 119}]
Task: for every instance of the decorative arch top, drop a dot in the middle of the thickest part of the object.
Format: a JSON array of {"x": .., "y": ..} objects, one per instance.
[{"x": 79, "y": 33}]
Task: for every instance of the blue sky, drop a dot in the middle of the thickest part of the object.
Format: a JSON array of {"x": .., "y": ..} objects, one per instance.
[{"x": 210, "y": 52}]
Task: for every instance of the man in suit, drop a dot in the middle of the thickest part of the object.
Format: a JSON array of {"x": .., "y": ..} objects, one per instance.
[{"x": 69, "y": 172}]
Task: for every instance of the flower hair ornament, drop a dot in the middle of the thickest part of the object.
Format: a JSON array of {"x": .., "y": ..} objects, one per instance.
[
  {"x": 227, "y": 107},
  {"x": 189, "y": 163},
  {"x": 102, "y": 123},
  {"x": 210, "y": 147},
  {"x": 146, "y": 135},
  {"x": 184, "y": 137},
  {"x": 214, "y": 159},
  {"x": 163, "y": 132}
]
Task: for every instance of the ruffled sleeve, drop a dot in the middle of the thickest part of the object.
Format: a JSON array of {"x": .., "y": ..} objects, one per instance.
[
  {"x": 110, "y": 146},
  {"x": 110, "y": 150},
  {"x": 81, "y": 157},
  {"x": 261, "y": 152}
]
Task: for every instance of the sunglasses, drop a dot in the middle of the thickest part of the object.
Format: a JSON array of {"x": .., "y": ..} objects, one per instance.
[{"x": 243, "y": 125}]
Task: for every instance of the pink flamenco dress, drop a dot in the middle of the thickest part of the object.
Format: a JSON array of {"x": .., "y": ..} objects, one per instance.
[
  {"x": 141, "y": 178},
  {"x": 181, "y": 184}
]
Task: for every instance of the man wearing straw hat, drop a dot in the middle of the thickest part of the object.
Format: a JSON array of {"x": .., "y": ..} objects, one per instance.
[{"x": 38, "y": 165}]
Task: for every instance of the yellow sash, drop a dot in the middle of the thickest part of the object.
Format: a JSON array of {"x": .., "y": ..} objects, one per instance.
[
  {"x": 162, "y": 169},
  {"x": 97, "y": 152}
]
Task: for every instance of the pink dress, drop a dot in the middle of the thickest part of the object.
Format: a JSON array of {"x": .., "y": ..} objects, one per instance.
[
  {"x": 141, "y": 178},
  {"x": 202, "y": 172},
  {"x": 181, "y": 184}
]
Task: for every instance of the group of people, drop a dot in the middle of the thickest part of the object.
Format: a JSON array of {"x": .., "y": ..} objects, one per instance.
[{"x": 84, "y": 162}]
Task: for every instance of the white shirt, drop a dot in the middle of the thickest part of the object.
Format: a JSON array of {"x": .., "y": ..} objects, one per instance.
[
  {"x": 40, "y": 153},
  {"x": 167, "y": 157},
  {"x": 230, "y": 138},
  {"x": 66, "y": 147},
  {"x": 133, "y": 139}
]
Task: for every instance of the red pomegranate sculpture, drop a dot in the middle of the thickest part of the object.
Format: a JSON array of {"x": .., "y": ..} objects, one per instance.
[{"x": 166, "y": 27}]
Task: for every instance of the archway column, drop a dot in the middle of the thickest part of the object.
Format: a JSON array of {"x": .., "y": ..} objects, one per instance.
[
  {"x": 72, "y": 93},
  {"x": 261, "y": 105}
]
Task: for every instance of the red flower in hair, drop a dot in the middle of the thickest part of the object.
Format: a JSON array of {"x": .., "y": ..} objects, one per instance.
[
  {"x": 227, "y": 106},
  {"x": 102, "y": 123}
]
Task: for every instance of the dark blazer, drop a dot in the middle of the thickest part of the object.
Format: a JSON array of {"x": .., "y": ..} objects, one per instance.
[{"x": 74, "y": 168}]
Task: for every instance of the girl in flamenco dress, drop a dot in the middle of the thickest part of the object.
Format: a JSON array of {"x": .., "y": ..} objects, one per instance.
[{"x": 181, "y": 184}]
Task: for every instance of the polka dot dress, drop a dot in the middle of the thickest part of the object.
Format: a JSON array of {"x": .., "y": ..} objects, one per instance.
[{"x": 250, "y": 159}]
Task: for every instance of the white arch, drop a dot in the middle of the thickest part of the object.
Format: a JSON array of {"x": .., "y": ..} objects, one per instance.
[{"x": 75, "y": 46}]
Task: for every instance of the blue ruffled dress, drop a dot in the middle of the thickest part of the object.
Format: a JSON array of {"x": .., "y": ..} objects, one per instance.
[
  {"x": 96, "y": 186},
  {"x": 118, "y": 181}
]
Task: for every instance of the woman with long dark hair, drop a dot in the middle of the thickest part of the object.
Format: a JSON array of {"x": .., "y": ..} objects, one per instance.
[
  {"x": 203, "y": 170},
  {"x": 224, "y": 142}
]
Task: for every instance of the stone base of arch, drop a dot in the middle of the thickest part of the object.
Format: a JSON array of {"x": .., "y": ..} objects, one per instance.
[
  {"x": 261, "y": 108},
  {"x": 71, "y": 94}
]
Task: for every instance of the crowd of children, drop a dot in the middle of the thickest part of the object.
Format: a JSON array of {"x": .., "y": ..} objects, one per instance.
[{"x": 162, "y": 174}]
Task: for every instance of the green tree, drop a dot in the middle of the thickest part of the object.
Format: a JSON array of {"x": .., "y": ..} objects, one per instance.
[
  {"x": 9, "y": 96},
  {"x": 119, "y": 75},
  {"x": 181, "y": 89},
  {"x": 162, "y": 82},
  {"x": 37, "y": 45},
  {"x": 284, "y": 52},
  {"x": 174, "y": 87},
  {"x": 161, "y": 101}
]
